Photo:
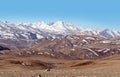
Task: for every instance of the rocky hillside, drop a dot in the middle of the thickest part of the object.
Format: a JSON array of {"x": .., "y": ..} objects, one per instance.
[{"x": 72, "y": 47}]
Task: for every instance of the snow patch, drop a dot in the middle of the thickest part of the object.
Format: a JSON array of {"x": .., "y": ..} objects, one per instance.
[
  {"x": 92, "y": 51},
  {"x": 105, "y": 51}
]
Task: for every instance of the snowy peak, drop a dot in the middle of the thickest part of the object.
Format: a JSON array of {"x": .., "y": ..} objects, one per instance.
[
  {"x": 57, "y": 27},
  {"x": 42, "y": 30},
  {"x": 109, "y": 33},
  {"x": 59, "y": 23},
  {"x": 34, "y": 30}
]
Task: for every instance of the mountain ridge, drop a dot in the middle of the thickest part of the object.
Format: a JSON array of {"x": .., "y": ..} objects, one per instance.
[{"x": 41, "y": 30}]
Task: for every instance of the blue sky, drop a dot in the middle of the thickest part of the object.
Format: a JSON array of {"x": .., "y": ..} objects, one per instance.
[{"x": 98, "y": 14}]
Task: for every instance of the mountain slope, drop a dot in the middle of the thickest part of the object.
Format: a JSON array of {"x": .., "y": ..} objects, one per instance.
[
  {"x": 41, "y": 31},
  {"x": 71, "y": 47}
]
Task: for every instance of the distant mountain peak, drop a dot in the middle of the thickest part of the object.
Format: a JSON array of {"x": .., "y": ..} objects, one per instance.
[{"x": 42, "y": 29}]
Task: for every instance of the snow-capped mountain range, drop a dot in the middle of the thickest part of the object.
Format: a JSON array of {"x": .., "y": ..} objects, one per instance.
[{"x": 41, "y": 30}]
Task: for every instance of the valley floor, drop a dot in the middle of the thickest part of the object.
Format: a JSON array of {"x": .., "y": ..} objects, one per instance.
[
  {"x": 38, "y": 67},
  {"x": 97, "y": 72}
]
